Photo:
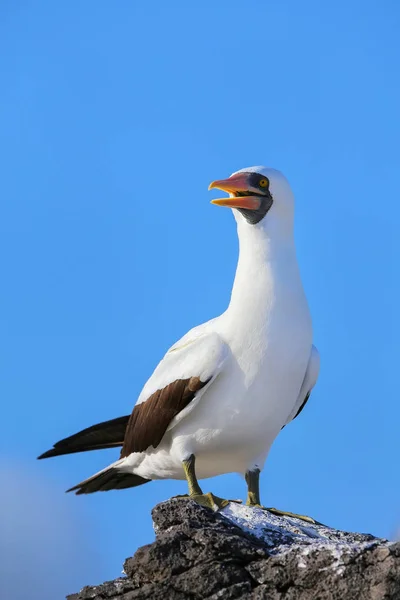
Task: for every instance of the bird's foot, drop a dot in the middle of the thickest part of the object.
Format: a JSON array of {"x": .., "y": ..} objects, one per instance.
[
  {"x": 209, "y": 500},
  {"x": 282, "y": 513}
]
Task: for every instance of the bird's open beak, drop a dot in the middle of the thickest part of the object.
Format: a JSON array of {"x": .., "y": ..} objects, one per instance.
[{"x": 234, "y": 185}]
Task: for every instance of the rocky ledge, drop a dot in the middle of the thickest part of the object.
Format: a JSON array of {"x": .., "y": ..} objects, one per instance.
[{"x": 249, "y": 553}]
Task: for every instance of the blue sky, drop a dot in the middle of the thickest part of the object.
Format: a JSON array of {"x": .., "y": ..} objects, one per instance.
[{"x": 114, "y": 119}]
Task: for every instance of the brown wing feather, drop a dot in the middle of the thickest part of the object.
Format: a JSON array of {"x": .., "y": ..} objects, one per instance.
[
  {"x": 302, "y": 406},
  {"x": 300, "y": 409},
  {"x": 150, "y": 419}
]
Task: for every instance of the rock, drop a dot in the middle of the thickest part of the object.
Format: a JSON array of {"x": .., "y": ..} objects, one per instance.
[{"x": 248, "y": 553}]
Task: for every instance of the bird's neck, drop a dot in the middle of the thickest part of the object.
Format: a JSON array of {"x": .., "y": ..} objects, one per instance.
[{"x": 267, "y": 267}]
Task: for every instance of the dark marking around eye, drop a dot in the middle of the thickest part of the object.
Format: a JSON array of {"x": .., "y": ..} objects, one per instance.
[{"x": 255, "y": 179}]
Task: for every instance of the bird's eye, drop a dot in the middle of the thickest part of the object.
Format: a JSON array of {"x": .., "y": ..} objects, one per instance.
[{"x": 263, "y": 183}]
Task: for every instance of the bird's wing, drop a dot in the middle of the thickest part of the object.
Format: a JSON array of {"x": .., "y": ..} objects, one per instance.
[
  {"x": 310, "y": 379},
  {"x": 173, "y": 389}
]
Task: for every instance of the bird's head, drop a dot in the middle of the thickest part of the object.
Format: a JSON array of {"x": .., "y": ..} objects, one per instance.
[{"x": 255, "y": 192}]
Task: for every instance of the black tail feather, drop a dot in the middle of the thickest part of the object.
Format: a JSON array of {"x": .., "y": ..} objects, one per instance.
[
  {"x": 109, "y": 479},
  {"x": 109, "y": 434}
]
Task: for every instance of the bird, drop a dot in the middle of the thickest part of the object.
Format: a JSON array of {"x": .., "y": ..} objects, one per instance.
[{"x": 222, "y": 393}]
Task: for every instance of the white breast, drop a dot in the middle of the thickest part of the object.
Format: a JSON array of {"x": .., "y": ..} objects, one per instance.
[{"x": 268, "y": 330}]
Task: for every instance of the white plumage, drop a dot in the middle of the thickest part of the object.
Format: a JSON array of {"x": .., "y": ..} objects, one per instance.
[
  {"x": 221, "y": 394},
  {"x": 258, "y": 354}
]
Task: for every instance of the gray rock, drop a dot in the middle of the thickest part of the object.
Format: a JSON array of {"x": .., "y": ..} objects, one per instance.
[{"x": 248, "y": 553}]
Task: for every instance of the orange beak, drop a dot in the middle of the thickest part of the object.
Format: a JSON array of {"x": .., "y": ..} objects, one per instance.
[{"x": 232, "y": 185}]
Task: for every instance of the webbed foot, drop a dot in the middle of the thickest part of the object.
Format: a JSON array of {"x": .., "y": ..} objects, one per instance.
[
  {"x": 253, "y": 498},
  {"x": 208, "y": 500},
  {"x": 282, "y": 513}
]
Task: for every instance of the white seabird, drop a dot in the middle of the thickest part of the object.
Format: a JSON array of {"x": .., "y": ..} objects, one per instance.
[{"x": 222, "y": 393}]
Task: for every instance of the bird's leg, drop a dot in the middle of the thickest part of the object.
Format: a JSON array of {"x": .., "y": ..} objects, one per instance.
[
  {"x": 195, "y": 491},
  {"x": 253, "y": 498},
  {"x": 190, "y": 473},
  {"x": 253, "y": 488}
]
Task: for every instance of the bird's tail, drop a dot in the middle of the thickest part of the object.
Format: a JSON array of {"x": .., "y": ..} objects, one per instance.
[
  {"x": 110, "y": 478},
  {"x": 109, "y": 434}
]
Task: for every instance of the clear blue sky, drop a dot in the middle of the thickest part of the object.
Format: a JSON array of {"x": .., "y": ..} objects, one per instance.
[{"x": 115, "y": 116}]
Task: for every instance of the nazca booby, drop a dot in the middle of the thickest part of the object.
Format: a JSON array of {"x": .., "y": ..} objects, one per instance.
[{"x": 222, "y": 393}]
